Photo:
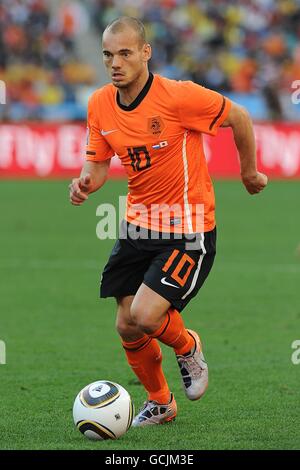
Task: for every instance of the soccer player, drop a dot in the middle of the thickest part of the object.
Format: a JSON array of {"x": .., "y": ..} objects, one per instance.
[{"x": 155, "y": 126}]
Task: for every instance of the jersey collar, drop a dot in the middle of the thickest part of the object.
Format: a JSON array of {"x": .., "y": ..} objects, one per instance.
[{"x": 139, "y": 97}]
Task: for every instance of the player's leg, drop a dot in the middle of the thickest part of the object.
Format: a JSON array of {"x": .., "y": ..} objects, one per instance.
[
  {"x": 172, "y": 332},
  {"x": 145, "y": 358},
  {"x": 121, "y": 278},
  {"x": 174, "y": 277},
  {"x": 155, "y": 317}
]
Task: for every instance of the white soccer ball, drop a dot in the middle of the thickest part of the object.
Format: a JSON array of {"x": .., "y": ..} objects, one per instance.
[{"x": 103, "y": 410}]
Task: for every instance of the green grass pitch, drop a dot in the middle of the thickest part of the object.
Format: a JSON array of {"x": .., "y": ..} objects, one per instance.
[{"x": 60, "y": 336}]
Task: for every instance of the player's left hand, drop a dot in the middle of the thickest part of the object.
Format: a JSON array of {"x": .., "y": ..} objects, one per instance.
[{"x": 255, "y": 183}]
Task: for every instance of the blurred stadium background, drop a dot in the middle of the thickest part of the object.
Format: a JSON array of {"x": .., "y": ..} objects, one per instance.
[
  {"x": 50, "y": 54},
  {"x": 50, "y": 62},
  {"x": 248, "y": 312}
]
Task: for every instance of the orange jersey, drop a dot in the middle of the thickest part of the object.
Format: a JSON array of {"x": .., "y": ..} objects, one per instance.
[{"x": 159, "y": 140}]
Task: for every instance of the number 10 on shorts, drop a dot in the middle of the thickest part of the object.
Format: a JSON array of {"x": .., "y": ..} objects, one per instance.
[{"x": 181, "y": 262}]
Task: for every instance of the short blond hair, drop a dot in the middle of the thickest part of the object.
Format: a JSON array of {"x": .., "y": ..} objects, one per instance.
[{"x": 120, "y": 24}]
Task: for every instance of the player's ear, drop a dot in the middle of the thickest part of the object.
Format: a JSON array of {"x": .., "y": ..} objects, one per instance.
[{"x": 147, "y": 52}]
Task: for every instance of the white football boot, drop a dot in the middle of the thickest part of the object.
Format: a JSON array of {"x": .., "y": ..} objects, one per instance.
[
  {"x": 156, "y": 413},
  {"x": 194, "y": 370}
]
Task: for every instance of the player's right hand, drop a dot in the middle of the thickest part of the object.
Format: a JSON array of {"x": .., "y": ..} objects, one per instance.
[{"x": 79, "y": 190}]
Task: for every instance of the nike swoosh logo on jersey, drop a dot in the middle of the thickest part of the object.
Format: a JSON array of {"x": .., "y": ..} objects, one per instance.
[
  {"x": 108, "y": 132},
  {"x": 163, "y": 281}
]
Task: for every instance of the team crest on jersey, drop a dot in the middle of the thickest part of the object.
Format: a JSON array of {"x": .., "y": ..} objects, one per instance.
[{"x": 155, "y": 125}]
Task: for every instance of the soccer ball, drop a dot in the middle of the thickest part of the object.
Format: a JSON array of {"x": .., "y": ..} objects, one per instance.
[{"x": 103, "y": 410}]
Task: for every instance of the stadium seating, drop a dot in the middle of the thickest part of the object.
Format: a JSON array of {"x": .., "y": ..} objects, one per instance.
[{"x": 250, "y": 51}]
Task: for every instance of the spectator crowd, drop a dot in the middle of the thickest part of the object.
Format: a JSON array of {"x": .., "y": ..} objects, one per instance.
[
  {"x": 39, "y": 61},
  {"x": 246, "y": 48}
]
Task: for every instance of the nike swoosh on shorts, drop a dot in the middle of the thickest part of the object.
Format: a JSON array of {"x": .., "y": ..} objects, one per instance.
[{"x": 163, "y": 281}]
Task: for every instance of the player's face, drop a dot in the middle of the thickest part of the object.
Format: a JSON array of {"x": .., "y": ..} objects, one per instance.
[{"x": 124, "y": 57}]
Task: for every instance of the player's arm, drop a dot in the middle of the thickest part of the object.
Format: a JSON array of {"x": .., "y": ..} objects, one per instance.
[
  {"x": 93, "y": 176},
  {"x": 98, "y": 155},
  {"x": 240, "y": 122}
]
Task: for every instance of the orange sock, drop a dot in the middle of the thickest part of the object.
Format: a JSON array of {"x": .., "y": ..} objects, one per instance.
[
  {"x": 145, "y": 358},
  {"x": 173, "y": 333}
]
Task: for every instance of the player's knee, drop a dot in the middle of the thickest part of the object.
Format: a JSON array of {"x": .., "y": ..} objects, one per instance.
[
  {"x": 123, "y": 327},
  {"x": 127, "y": 329},
  {"x": 144, "y": 319}
]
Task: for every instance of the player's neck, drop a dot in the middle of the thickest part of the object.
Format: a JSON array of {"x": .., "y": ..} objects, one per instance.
[{"x": 128, "y": 95}]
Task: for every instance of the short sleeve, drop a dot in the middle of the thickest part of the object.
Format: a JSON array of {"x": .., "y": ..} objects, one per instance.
[
  {"x": 201, "y": 109},
  {"x": 97, "y": 149}
]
